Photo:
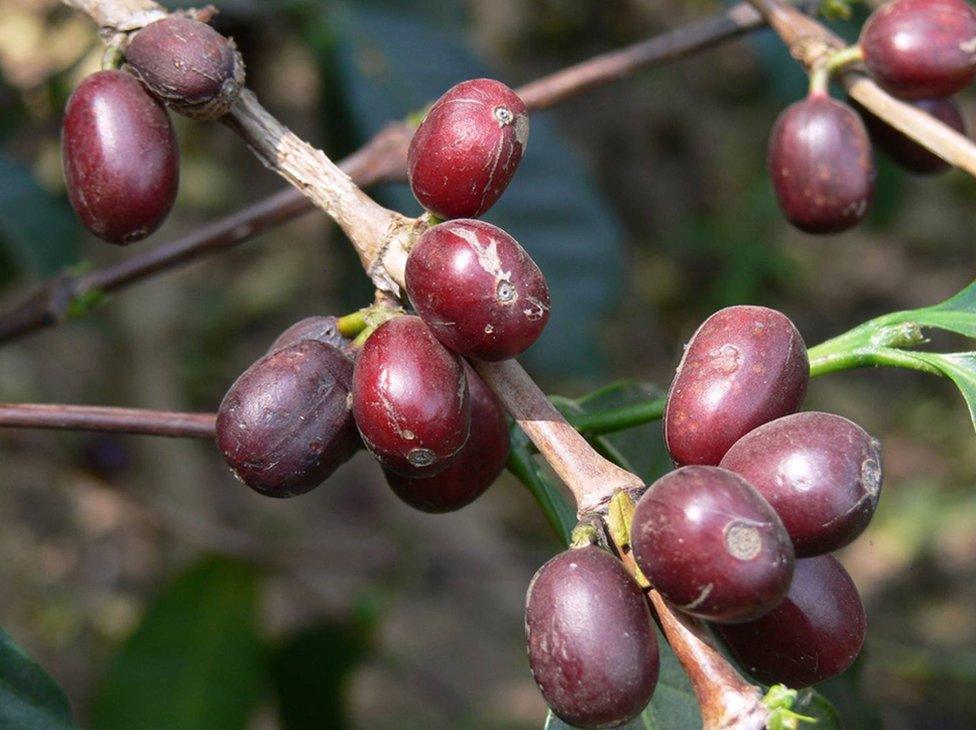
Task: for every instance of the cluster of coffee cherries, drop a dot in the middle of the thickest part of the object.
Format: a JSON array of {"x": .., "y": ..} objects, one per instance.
[
  {"x": 118, "y": 149},
  {"x": 739, "y": 534},
  {"x": 820, "y": 149},
  {"x": 404, "y": 388}
]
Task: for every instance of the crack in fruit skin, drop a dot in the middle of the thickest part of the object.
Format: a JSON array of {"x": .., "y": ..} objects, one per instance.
[
  {"x": 186, "y": 63},
  {"x": 465, "y": 152},
  {"x": 591, "y": 642},
  {"x": 821, "y": 165},
  {"x": 121, "y": 162},
  {"x": 743, "y": 367},
  {"x": 820, "y": 472},
  {"x": 710, "y": 544},
  {"x": 919, "y": 49},
  {"x": 285, "y": 425},
  {"x": 409, "y": 393},
  {"x": 474, "y": 469},
  {"x": 903, "y": 150},
  {"x": 477, "y": 289},
  {"x": 813, "y": 635}
]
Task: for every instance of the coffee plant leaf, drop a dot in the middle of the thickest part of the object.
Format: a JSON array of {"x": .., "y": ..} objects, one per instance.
[
  {"x": 29, "y": 698},
  {"x": 310, "y": 669},
  {"x": 195, "y": 662},
  {"x": 37, "y": 229}
]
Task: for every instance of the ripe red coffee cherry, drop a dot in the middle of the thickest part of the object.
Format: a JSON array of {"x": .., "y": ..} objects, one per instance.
[
  {"x": 813, "y": 635},
  {"x": 323, "y": 329},
  {"x": 121, "y": 164},
  {"x": 710, "y": 544},
  {"x": 410, "y": 398},
  {"x": 743, "y": 367},
  {"x": 467, "y": 149},
  {"x": 187, "y": 64},
  {"x": 819, "y": 159},
  {"x": 286, "y": 424},
  {"x": 902, "y": 149},
  {"x": 920, "y": 49},
  {"x": 474, "y": 469},
  {"x": 820, "y": 472},
  {"x": 591, "y": 642},
  {"x": 477, "y": 289}
]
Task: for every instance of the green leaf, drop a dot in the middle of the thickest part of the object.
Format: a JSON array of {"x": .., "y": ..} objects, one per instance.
[
  {"x": 29, "y": 698},
  {"x": 552, "y": 499},
  {"x": 960, "y": 367},
  {"x": 195, "y": 661},
  {"x": 309, "y": 673},
  {"x": 392, "y": 62},
  {"x": 37, "y": 227},
  {"x": 639, "y": 449},
  {"x": 956, "y": 314},
  {"x": 673, "y": 706}
]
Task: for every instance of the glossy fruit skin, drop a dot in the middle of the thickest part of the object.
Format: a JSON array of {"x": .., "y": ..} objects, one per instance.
[
  {"x": 121, "y": 163},
  {"x": 477, "y": 289},
  {"x": 465, "y": 152},
  {"x": 906, "y": 152},
  {"x": 711, "y": 545},
  {"x": 813, "y": 635},
  {"x": 743, "y": 367},
  {"x": 920, "y": 49},
  {"x": 820, "y": 472},
  {"x": 286, "y": 424},
  {"x": 322, "y": 328},
  {"x": 592, "y": 647},
  {"x": 410, "y": 398},
  {"x": 190, "y": 66},
  {"x": 820, "y": 162},
  {"x": 474, "y": 469}
]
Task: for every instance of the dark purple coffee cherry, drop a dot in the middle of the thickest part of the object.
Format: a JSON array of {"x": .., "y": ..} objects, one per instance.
[
  {"x": 477, "y": 289},
  {"x": 591, "y": 642},
  {"x": 819, "y": 159},
  {"x": 190, "y": 66},
  {"x": 467, "y": 149},
  {"x": 743, "y": 367},
  {"x": 711, "y": 545},
  {"x": 286, "y": 424},
  {"x": 121, "y": 163},
  {"x": 820, "y": 472},
  {"x": 902, "y": 149},
  {"x": 919, "y": 49},
  {"x": 474, "y": 469},
  {"x": 410, "y": 398},
  {"x": 323, "y": 329},
  {"x": 813, "y": 635}
]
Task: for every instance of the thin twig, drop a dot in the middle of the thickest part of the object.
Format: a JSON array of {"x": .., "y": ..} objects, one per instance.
[
  {"x": 380, "y": 160},
  {"x": 114, "y": 420}
]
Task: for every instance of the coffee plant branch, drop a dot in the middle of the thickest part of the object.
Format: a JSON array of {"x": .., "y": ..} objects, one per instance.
[
  {"x": 382, "y": 239},
  {"x": 382, "y": 159}
]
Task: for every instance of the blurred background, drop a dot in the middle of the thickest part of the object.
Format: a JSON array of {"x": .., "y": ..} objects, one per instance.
[{"x": 161, "y": 593}]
